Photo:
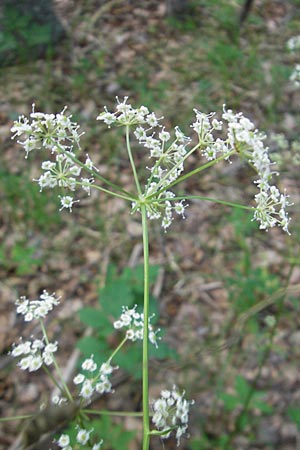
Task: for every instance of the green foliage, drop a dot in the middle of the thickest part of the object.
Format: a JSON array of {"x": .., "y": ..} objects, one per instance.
[
  {"x": 22, "y": 258},
  {"x": 248, "y": 288},
  {"x": 139, "y": 81},
  {"x": 207, "y": 443},
  {"x": 86, "y": 70},
  {"x": 243, "y": 225},
  {"x": 20, "y": 34},
  {"x": 294, "y": 415},
  {"x": 226, "y": 14},
  {"x": 249, "y": 284},
  {"x": 23, "y": 200},
  {"x": 244, "y": 393},
  {"x": 125, "y": 289}
]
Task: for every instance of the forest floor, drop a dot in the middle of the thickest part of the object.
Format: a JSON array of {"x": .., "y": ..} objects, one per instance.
[{"x": 215, "y": 266}]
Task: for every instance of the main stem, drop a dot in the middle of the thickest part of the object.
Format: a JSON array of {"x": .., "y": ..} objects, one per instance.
[{"x": 146, "y": 436}]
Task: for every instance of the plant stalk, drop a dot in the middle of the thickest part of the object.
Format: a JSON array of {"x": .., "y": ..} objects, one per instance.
[{"x": 146, "y": 428}]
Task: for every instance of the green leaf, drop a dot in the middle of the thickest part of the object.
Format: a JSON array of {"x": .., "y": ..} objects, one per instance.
[
  {"x": 162, "y": 352},
  {"x": 114, "y": 435},
  {"x": 294, "y": 415},
  {"x": 242, "y": 387},
  {"x": 96, "y": 319},
  {"x": 230, "y": 401},
  {"x": 262, "y": 406},
  {"x": 113, "y": 296},
  {"x": 91, "y": 345},
  {"x": 130, "y": 359}
]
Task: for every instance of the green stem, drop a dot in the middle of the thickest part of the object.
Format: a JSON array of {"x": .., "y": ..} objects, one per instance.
[
  {"x": 192, "y": 172},
  {"x": 132, "y": 161},
  {"x": 25, "y": 416},
  {"x": 208, "y": 199},
  {"x": 179, "y": 163},
  {"x": 146, "y": 428},
  {"x": 93, "y": 172},
  {"x": 116, "y": 350},
  {"x": 54, "y": 381},
  {"x": 66, "y": 389},
  {"x": 112, "y": 413},
  {"x": 107, "y": 191},
  {"x": 201, "y": 168}
]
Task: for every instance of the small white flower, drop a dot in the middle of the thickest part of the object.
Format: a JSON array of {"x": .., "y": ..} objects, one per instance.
[
  {"x": 22, "y": 349},
  {"x": 152, "y": 120},
  {"x": 48, "y": 358},
  {"x": 67, "y": 202},
  {"x": 164, "y": 136},
  {"x": 37, "y": 344},
  {"x": 89, "y": 364},
  {"x": 63, "y": 441},
  {"x": 51, "y": 347},
  {"x": 83, "y": 436},
  {"x": 35, "y": 363},
  {"x": 87, "y": 390},
  {"x": 106, "y": 369},
  {"x": 25, "y": 363},
  {"x": 79, "y": 379},
  {"x": 98, "y": 445}
]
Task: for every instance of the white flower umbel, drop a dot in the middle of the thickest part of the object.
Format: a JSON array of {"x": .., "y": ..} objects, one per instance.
[
  {"x": 94, "y": 379},
  {"x": 127, "y": 115},
  {"x": 248, "y": 143},
  {"x": 46, "y": 130},
  {"x": 34, "y": 354},
  {"x": 36, "y": 309},
  {"x": 133, "y": 322},
  {"x": 171, "y": 413}
]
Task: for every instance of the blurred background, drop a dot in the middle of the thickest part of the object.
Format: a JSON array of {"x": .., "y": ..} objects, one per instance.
[{"x": 224, "y": 293}]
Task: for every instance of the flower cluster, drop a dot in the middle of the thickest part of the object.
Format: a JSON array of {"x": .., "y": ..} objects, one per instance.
[
  {"x": 94, "y": 379},
  {"x": 134, "y": 323},
  {"x": 171, "y": 412},
  {"x": 37, "y": 352},
  {"x": 125, "y": 114},
  {"x": 64, "y": 173},
  {"x": 34, "y": 354},
  {"x": 46, "y": 131},
  {"x": 36, "y": 309},
  {"x": 82, "y": 438},
  {"x": 204, "y": 126},
  {"x": 57, "y": 133},
  {"x": 168, "y": 151},
  {"x": 242, "y": 138},
  {"x": 168, "y": 154}
]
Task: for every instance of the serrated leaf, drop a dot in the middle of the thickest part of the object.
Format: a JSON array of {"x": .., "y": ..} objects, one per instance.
[{"x": 113, "y": 296}]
